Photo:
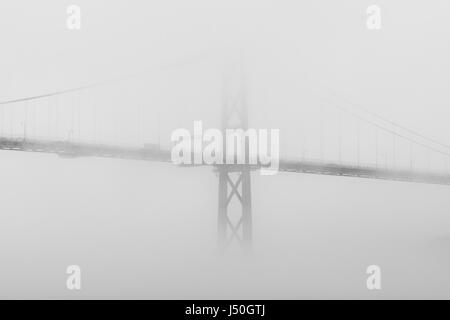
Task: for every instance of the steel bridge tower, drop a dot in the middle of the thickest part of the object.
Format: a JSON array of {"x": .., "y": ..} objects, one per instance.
[{"x": 234, "y": 179}]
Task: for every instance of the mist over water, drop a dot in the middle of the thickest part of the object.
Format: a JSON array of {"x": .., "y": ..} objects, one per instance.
[{"x": 144, "y": 230}]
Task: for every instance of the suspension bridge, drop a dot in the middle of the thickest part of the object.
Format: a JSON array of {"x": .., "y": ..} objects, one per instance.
[{"x": 78, "y": 122}]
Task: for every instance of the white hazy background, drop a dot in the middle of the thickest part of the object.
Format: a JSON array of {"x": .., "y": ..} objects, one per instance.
[{"x": 147, "y": 230}]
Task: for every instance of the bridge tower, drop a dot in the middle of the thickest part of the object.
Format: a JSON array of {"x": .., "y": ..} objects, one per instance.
[{"x": 235, "y": 200}]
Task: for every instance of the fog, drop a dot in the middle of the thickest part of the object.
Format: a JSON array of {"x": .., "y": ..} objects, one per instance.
[{"x": 149, "y": 230}]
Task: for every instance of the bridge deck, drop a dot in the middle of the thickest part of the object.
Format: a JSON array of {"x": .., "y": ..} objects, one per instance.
[{"x": 73, "y": 150}]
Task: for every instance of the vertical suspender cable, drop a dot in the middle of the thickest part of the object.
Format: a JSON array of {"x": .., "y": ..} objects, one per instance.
[
  {"x": 358, "y": 141},
  {"x": 340, "y": 135}
]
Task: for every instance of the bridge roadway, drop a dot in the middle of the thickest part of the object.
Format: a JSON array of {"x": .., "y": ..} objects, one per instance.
[{"x": 154, "y": 153}]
